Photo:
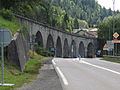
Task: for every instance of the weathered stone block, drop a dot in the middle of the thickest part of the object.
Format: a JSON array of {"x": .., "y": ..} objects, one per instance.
[{"x": 18, "y": 51}]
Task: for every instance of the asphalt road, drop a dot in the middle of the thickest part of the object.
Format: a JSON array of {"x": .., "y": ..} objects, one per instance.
[{"x": 87, "y": 74}]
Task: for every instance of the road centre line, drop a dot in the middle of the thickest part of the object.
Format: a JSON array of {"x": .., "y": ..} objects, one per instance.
[
  {"x": 100, "y": 67},
  {"x": 62, "y": 76}
]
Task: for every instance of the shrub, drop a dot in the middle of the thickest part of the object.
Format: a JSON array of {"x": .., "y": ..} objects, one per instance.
[
  {"x": 7, "y": 14},
  {"x": 25, "y": 31},
  {"x": 41, "y": 51},
  {"x": 24, "y": 9}
]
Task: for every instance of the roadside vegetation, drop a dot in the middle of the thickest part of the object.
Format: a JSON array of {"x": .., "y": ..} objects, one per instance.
[
  {"x": 106, "y": 27},
  {"x": 106, "y": 32},
  {"x": 14, "y": 76},
  {"x": 111, "y": 60},
  {"x": 13, "y": 26},
  {"x": 41, "y": 51},
  {"x": 7, "y": 20}
]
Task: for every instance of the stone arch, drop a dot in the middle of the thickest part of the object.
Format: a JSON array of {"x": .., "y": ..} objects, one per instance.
[
  {"x": 73, "y": 49},
  {"x": 90, "y": 50},
  {"x": 58, "y": 47},
  {"x": 81, "y": 49},
  {"x": 50, "y": 45},
  {"x": 39, "y": 39},
  {"x": 66, "y": 49}
]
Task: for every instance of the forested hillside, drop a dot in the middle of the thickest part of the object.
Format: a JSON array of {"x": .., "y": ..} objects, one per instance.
[
  {"x": 88, "y": 10},
  {"x": 106, "y": 27},
  {"x": 62, "y": 14}
]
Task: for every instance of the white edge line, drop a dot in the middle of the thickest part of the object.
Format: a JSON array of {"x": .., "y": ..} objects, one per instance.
[
  {"x": 53, "y": 62},
  {"x": 62, "y": 76},
  {"x": 101, "y": 67}
]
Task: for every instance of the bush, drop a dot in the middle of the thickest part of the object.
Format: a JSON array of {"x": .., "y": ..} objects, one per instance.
[
  {"x": 25, "y": 31},
  {"x": 41, "y": 51},
  {"x": 24, "y": 9},
  {"x": 7, "y": 14}
]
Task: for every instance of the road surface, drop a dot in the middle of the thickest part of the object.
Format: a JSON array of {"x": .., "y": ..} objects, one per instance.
[{"x": 87, "y": 74}]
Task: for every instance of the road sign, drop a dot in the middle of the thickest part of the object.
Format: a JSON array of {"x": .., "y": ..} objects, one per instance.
[
  {"x": 115, "y": 41},
  {"x": 5, "y": 37},
  {"x": 52, "y": 49},
  {"x": 116, "y": 35},
  {"x": 110, "y": 45},
  {"x": 105, "y": 47}
]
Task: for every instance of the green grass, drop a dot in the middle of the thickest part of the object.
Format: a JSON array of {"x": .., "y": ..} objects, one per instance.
[
  {"x": 34, "y": 64},
  {"x": 30, "y": 73},
  {"x": 111, "y": 60},
  {"x": 13, "y": 26}
]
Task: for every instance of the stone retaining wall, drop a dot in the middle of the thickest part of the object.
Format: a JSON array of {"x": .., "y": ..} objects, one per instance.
[{"x": 18, "y": 51}]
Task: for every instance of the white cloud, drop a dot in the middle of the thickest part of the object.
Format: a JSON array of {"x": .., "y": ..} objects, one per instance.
[{"x": 109, "y": 4}]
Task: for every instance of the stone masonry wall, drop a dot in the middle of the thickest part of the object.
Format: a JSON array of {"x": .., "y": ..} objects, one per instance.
[{"x": 18, "y": 51}]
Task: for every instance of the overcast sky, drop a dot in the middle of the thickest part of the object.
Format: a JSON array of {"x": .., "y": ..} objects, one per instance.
[{"x": 109, "y": 4}]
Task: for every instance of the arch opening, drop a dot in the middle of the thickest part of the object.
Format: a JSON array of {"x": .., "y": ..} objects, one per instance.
[
  {"x": 50, "y": 45},
  {"x": 58, "y": 48},
  {"x": 82, "y": 50},
  {"x": 39, "y": 39},
  {"x": 66, "y": 49},
  {"x": 90, "y": 50},
  {"x": 73, "y": 49}
]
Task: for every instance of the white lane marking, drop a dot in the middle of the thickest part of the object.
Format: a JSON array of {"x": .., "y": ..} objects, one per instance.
[
  {"x": 53, "y": 62},
  {"x": 101, "y": 67},
  {"x": 62, "y": 76}
]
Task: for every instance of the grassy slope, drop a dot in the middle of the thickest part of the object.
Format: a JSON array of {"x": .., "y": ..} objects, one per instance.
[
  {"x": 30, "y": 73},
  {"x": 111, "y": 60},
  {"x": 13, "y": 26},
  {"x": 32, "y": 66},
  {"x": 12, "y": 74}
]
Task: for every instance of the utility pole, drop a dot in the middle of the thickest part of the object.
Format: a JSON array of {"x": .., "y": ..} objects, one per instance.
[{"x": 113, "y": 23}]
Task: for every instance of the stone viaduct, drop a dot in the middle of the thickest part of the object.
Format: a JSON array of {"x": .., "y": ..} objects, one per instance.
[{"x": 65, "y": 44}]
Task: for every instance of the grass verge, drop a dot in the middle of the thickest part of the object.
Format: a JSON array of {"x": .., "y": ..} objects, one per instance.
[
  {"x": 111, "y": 60},
  {"x": 13, "y": 26},
  {"x": 14, "y": 76}
]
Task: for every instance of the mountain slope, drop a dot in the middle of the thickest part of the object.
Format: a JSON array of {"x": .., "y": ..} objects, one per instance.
[{"x": 88, "y": 10}]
